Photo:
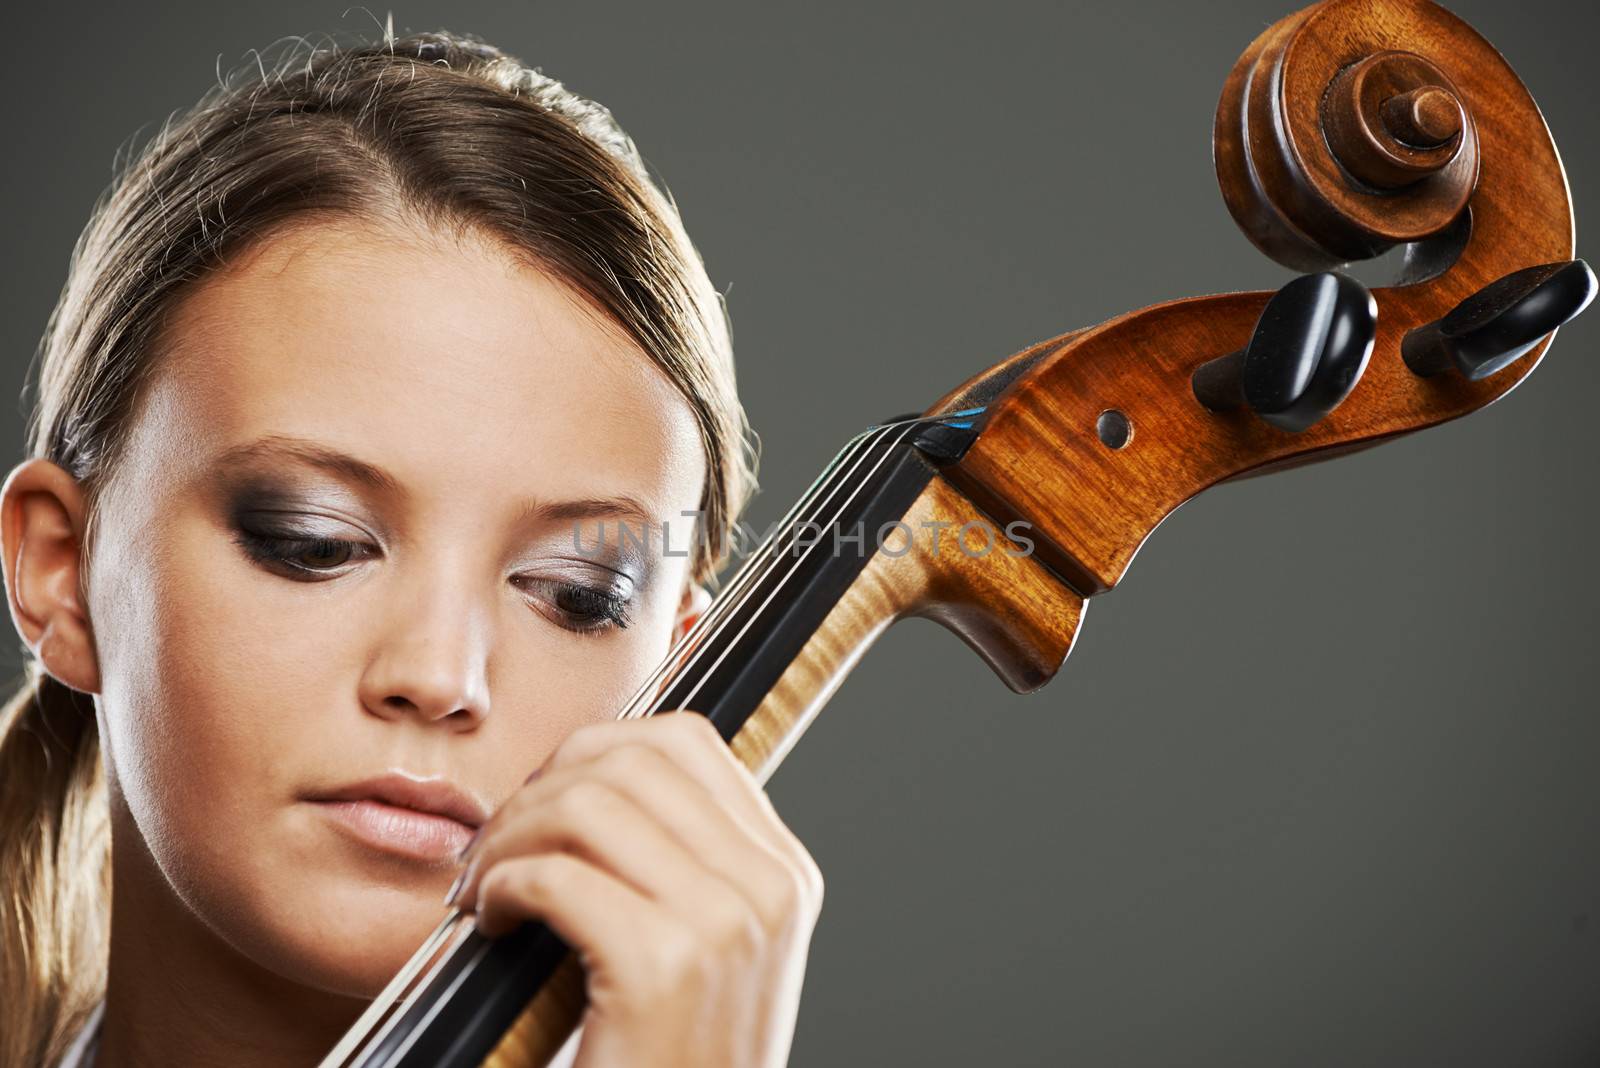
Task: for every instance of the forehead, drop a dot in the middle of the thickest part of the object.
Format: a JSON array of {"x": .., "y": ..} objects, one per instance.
[{"x": 443, "y": 360}]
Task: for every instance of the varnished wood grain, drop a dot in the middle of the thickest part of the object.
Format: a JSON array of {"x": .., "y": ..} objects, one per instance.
[{"x": 1008, "y": 609}]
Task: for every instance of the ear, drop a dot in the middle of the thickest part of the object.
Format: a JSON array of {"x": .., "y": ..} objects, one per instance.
[
  {"x": 42, "y": 513},
  {"x": 696, "y": 599}
]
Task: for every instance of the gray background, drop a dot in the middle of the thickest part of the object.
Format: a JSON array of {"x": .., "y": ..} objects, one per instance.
[{"x": 1315, "y": 786}]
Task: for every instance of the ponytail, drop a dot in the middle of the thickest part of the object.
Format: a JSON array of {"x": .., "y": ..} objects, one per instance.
[{"x": 55, "y": 871}]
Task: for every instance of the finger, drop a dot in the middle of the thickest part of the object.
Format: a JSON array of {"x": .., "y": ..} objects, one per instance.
[
  {"x": 594, "y": 913},
  {"x": 771, "y": 884},
  {"x": 596, "y": 822},
  {"x": 691, "y": 741}
]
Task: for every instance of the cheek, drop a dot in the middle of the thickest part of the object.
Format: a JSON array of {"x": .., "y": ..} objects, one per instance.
[
  {"x": 550, "y": 683},
  {"x": 208, "y": 697}
]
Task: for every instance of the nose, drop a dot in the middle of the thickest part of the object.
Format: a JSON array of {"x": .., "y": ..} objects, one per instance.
[{"x": 431, "y": 662}]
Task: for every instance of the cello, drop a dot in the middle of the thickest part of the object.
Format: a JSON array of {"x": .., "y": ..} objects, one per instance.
[{"x": 1347, "y": 129}]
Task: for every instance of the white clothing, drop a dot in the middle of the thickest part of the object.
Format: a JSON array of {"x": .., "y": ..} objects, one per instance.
[{"x": 81, "y": 1053}]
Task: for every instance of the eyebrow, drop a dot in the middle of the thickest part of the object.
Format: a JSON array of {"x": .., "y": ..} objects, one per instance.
[{"x": 281, "y": 447}]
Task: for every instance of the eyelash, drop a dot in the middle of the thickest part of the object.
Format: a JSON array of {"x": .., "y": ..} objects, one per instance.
[
  {"x": 596, "y": 609},
  {"x": 587, "y": 609}
]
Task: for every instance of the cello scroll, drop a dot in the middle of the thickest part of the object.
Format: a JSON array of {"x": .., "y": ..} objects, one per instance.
[{"x": 1488, "y": 200}]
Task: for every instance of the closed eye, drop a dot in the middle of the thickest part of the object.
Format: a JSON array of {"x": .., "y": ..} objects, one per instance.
[
  {"x": 577, "y": 607},
  {"x": 306, "y": 558}
]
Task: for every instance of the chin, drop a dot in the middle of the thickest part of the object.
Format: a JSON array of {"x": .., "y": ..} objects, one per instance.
[
  {"x": 362, "y": 935},
  {"x": 334, "y": 928}
]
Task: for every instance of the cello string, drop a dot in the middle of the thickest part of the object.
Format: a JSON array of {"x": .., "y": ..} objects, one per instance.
[
  {"x": 784, "y": 580},
  {"x": 730, "y": 597},
  {"x": 380, "y": 1005},
  {"x": 445, "y": 959},
  {"x": 713, "y": 621},
  {"x": 769, "y": 550},
  {"x": 737, "y": 595},
  {"x": 734, "y": 597}
]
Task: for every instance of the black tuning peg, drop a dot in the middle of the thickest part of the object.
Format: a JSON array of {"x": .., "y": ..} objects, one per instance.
[
  {"x": 1309, "y": 348},
  {"x": 1501, "y": 321}
]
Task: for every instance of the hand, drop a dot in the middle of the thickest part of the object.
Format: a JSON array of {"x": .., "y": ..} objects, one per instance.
[{"x": 659, "y": 859}]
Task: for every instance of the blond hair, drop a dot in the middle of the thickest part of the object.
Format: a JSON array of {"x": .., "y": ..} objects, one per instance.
[{"x": 441, "y": 126}]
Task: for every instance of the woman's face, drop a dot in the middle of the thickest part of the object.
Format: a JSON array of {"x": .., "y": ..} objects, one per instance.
[{"x": 354, "y": 548}]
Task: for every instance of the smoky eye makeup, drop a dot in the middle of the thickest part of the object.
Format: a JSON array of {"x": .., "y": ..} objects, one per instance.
[
  {"x": 294, "y": 534},
  {"x": 591, "y": 575},
  {"x": 587, "y": 596},
  {"x": 586, "y": 605}
]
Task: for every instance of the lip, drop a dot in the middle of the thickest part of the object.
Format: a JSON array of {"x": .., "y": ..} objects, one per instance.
[{"x": 426, "y": 819}]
